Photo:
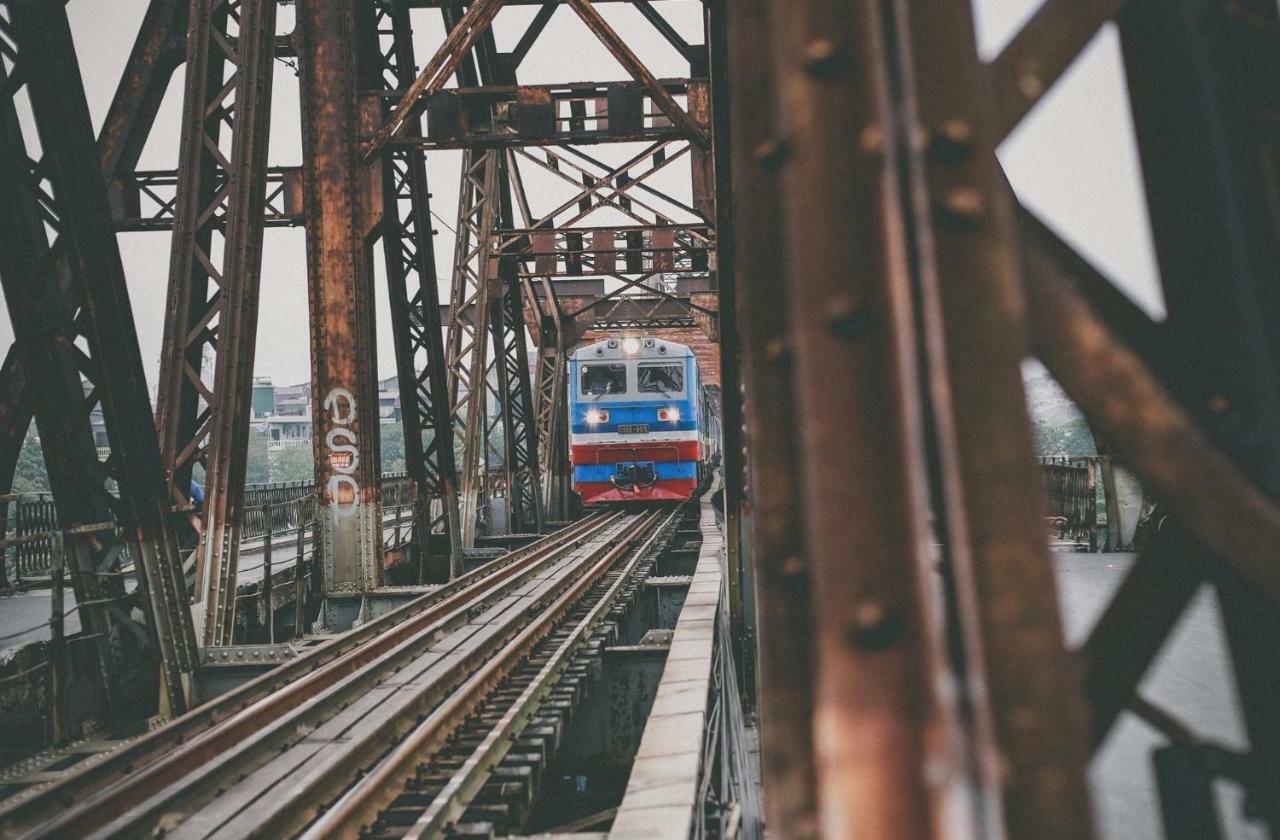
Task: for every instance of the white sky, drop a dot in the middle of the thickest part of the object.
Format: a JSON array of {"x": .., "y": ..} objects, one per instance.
[{"x": 1073, "y": 161}]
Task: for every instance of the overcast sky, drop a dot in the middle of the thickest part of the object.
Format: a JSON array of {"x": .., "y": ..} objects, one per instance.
[{"x": 1073, "y": 161}]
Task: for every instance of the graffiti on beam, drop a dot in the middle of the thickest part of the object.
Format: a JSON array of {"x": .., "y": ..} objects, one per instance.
[{"x": 344, "y": 453}]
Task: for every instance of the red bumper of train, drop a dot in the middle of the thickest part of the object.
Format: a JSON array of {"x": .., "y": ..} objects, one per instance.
[
  {"x": 657, "y": 451},
  {"x": 671, "y": 490}
]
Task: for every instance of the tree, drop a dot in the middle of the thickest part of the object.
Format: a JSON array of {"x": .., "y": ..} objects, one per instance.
[
  {"x": 392, "y": 446},
  {"x": 293, "y": 464},
  {"x": 29, "y": 474},
  {"x": 257, "y": 468}
]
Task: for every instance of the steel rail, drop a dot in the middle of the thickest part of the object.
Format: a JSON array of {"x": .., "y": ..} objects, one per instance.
[
  {"x": 296, "y": 804},
  {"x": 359, "y": 808},
  {"x": 109, "y": 788}
]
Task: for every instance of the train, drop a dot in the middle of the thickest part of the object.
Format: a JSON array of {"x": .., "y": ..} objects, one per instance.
[{"x": 642, "y": 428}]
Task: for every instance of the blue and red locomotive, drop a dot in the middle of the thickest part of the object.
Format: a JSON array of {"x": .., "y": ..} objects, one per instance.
[{"x": 639, "y": 420}]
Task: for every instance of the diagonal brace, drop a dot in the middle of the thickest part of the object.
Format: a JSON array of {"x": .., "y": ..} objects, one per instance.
[
  {"x": 678, "y": 116},
  {"x": 437, "y": 72}
]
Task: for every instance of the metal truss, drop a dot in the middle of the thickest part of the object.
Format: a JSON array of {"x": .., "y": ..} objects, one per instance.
[
  {"x": 338, "y": 41},
  {"x": 415, "y": 320},
  {"x": 145, "y": 200},
  {"x": 552, "y": 405},
  {"x": 520, "y": 441},
  {"x": 475, "y": 281},
  {"x": 580, "y": 113},
  {"x": 214, "y": 274},
  {"x": 78, "y": 347},
  {"x": 932, "y": 320}
]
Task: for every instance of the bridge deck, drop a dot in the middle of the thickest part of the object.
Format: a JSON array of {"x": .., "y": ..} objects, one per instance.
[{"x": 662, "y": 791}]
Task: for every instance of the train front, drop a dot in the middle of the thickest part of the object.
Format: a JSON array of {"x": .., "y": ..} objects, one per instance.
[{"x": 634, "y": 421}]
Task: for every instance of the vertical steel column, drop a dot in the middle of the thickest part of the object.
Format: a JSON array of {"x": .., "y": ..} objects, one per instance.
[
  {"x": 552, "y": 406},
  {"x": 731, "y": 390},
  {"x": 214, "y": 278},
  {"x": 878, "y": 717},
  {"x": 475, "y": 278},
  {"x": 990, "y": 505},
  {"x": 1202, "y": 77},
  {"x": 343, "y": 212},
  {"x": 413, "y": 292},
  {"x": 79, "y": 347},
  {"x": 780, "y": 562},
  {"x": 511, "y": 358}
]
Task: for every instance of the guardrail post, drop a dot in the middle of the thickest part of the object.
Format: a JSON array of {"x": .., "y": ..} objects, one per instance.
[
  {"x": 57, "y": 644},
  {"x": 268, "y": 513},
  {"x": 298, "y": 590}
]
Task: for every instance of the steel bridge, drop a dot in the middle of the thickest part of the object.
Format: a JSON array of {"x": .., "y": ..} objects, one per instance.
[{"x": 868, "y": 625}]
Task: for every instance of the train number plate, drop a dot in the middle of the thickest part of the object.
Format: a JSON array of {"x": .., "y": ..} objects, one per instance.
[{"x": 633, "y": 429}]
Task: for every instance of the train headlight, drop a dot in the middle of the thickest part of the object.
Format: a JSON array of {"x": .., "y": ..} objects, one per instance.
[
  {"x": 630, "y": 346},
  {"x": 669, "y": 415},
  {"x": 595, "y": 417}
]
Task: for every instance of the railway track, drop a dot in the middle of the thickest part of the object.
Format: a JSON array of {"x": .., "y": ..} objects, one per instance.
[{"x": 266, "y": 759}]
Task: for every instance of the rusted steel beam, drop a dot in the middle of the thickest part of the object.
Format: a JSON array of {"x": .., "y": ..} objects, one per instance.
[
  {"x": 475, "y": 280},
  {"x": 158, "y": 50},
  {"x": 343, "y": 197},
  {"x": 773, "y": 488},
  {"x": 849, "y": 333},
  {"x": 1137, "y": 623},
  {"x": 87, "y": 360},
  {"x": 531, "y": 33},
  {"x": 508, "y": 116},
  {"x": 619, "y": 49},
  {"x": 1030, "y": 746},
  {"x": 712, "y": 178},
  {"x": 1043, "y": 250},
  {"x": 408, "y": 247},
  {"x": 145, "y": 200},
  {"x": 215, "y": 263},
  {"x": 437, "y": 71},
  {"x": 520, "y": 442},
  {"x": 16, "y": 412},
  {"x": 665, "y": 28},
  {"x": 237, "y": 290},
  {"x": 1152, "y": 433},
  {"x": 1205, "y": 88},
  {"x": 1040, "y": 53}
]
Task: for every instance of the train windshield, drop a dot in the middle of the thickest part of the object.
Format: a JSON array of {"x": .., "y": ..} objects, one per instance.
[
  {"x": 598, "y": 380},
  {"x": 660, "y": 379}
]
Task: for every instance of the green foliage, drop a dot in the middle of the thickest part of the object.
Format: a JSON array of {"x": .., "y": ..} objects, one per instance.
[
  {"x": 392, "y": 446},
  {"x": 293, "y": 464},
  {"x": 30, "y": 475},
  {"x": 1072, "y": 437},
  {"x": 257, "y": 468}
]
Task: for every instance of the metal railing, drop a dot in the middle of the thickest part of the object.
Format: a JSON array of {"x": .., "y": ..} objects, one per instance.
[
  {"x": 1071, "y": 486},
  {"x": 275, "y": 507}
]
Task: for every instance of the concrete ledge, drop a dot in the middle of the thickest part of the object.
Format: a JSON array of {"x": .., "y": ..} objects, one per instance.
[{"x": 662, "y": 792}]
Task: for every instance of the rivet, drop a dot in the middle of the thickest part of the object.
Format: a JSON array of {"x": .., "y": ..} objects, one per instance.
[
  {"x": 775, "y": 349},
  {"x": 792, "y": 566},
  {"x": 871, "y": 140},
  {"x": 965, "y": 201},
  {"x": 1218, "y": 404},
  {"x": 952, "y": 141},
  {"x": 772, "y": 154},
  {"x": 846, "y": 320},
  {"x": 823, "y": 58},
  {"x": 1031, "y": 85},
  {"x": 873, "y": 627}
]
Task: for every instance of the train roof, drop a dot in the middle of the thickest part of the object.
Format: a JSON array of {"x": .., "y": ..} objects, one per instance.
[{"x": 649, "y": 348}]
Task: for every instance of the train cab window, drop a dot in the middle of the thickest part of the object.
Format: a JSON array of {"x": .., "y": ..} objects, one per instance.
[
  {"x": 598, "y": 380},
  {"x": 660, "y": 379}
]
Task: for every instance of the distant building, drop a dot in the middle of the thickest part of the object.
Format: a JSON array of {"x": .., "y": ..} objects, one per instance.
[
  {"x": 264, "y": 397},
  {"x": 288, "y": 432}
]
